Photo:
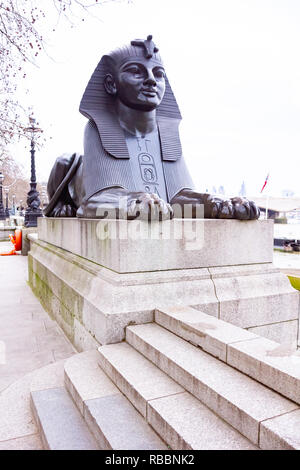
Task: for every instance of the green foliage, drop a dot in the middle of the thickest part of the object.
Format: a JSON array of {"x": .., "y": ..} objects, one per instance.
[
  {"x": 295, "y": 281},
  {"x": 280, "y": 220}
]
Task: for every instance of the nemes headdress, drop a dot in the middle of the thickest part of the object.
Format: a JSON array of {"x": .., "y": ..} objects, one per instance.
[
  {"x": 137, "y": 48},
  {"x": 98, "y": 105}
]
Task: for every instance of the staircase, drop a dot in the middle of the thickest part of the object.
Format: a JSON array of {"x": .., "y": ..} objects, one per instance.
[{"x": 186, "y": 381}]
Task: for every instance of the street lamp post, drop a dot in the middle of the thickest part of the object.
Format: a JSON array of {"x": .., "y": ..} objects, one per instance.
[
  {"x": 33, "y": 210},
  {"x": 6, "y": 203},
  {"x": 2, "y": 211},
  {"x": 14, "y": 204}
]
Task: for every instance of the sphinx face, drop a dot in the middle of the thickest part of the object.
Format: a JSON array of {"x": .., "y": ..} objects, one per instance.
[{"x": 140, "y": 83}]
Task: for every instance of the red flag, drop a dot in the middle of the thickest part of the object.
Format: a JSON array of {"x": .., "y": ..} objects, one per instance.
[{"x": 265, "y": 183}]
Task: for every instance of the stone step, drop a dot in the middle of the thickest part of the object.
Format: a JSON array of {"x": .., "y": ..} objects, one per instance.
[
  {"x": 235, "y": 397},
  {"x": 60, "y": 424},
  {"x": 281, "y": 432},
  {"x": 116, "y": 424},
  {"x": 112, "y": 419},
  {"x": 203, "y": 330},
  {"x": 84, "y": 379},
  {"x": 178, "y": 417},
  {"x": 273, "y": 364}
]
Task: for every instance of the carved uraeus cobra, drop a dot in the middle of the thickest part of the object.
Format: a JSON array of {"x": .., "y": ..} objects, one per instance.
[{"x": 132, "y": 163}]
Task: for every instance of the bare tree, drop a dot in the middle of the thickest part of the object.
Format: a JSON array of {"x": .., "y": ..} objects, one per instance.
[
  {"x": 15, "y": 180},
  {"x": 21, "y": 42}
]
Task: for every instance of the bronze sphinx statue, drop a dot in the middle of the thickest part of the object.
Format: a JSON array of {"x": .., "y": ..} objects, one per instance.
[{"x": 132, "y": 149}]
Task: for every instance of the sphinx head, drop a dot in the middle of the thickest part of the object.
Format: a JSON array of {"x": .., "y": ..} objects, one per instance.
[{"x": 136, "y": 75}]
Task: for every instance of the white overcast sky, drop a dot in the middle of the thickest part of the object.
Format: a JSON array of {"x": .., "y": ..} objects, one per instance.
[{"x": 234, "y": 68}]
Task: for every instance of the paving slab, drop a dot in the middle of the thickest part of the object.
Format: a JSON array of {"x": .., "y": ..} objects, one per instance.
[
  {"x": 61, "y": 424},
  {"x": 20, "y": 362},
  {"x": 50, "y": 340},
  {"x": 29, "y": 345},
  {"x": 32, "y": 442},
  {"x": 238, "y": 399},
  {"x": 8, "y": 311},
  {"x": 19, "y": 344},
  {"x": 15, "y": 412},
  {"x": 21, "y": 328},
  {"x": 63, "y": 352}
]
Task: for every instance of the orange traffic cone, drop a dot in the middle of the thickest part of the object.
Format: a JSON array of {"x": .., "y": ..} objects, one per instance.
[{"x": 16, "y": 240}]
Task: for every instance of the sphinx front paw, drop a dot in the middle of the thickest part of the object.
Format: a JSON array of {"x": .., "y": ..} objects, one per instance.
[
  {"x": 63, "y": 210},
  {"x": 235, "y": 208},
  {"x": 149, "y": 207}
]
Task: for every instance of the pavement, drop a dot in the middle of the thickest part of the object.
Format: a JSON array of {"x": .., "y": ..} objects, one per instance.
[
  {"x": 288, "y": 263},
  {"x": 29, "y": 339},
  {"x": 33, "y": 350}
]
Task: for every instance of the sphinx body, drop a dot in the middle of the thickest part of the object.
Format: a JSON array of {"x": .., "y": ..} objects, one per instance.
[{"x": 132, "y": 164}]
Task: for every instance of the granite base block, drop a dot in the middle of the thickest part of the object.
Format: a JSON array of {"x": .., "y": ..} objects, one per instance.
[{"x": 96, "y": 285}]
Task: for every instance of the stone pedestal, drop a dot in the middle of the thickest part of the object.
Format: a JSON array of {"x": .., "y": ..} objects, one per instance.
[
  {"x": 96, "y": 277},
  {"x": 25, "y": 240},
  {"x": 134, "y": 246}
]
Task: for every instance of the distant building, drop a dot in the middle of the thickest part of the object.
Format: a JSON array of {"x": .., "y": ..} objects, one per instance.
[
  {"x": 242, "y": 192},
  {"x": 287, "y": 193}
]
